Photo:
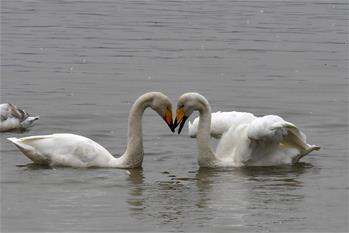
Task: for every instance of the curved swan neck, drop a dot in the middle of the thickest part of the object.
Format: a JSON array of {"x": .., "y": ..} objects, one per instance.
[
  {"x": 206, "y": 156},
  {"x": 133, "y": 155}
]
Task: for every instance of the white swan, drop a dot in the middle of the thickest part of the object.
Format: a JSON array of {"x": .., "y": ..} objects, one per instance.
[
  {"x": 248, "y": 141},
  {"x": 12, "y": 118},
  {"x": 78, "y": 151}
]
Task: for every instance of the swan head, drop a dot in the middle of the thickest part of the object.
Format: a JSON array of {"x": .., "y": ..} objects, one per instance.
[
  {"x": 186, "y": 105},
  {"x": 161, "y": 104}
]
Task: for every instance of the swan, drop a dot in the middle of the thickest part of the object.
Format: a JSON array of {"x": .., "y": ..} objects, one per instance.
[
  {"x": 12, "y": 118},
  {"x": 72, "y": 150},
  {"x": 247, "y": 140}
]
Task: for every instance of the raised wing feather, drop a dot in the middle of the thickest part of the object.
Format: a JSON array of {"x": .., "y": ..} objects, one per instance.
[
  {"x": 274, "y": 129},
  {"x": 221, "y": 122},
  {"x": 269, "y": 128}
]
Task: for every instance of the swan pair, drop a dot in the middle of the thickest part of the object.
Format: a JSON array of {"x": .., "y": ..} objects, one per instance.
[{"x": 249, "y": 141}]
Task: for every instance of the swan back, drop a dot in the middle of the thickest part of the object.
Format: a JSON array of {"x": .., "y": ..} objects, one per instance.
[
  {"x": 64, "y": 150},
  {"x": 270, "y": 127},
  {"x": 221, "y": 122}
]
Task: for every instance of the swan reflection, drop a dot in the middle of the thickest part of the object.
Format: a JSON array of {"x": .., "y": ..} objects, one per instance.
[{"x": 226, "y": 199}]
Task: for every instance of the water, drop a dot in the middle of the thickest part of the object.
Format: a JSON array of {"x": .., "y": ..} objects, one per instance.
[{"x": 81, "y": 64}]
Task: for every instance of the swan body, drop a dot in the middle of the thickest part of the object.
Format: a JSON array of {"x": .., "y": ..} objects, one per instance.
[
  {"x": 246, "y": 140},
  {"x": 78, "y": 151},
  {"x": 65, "y": 150},
  {"x": 12, "y": 118}
]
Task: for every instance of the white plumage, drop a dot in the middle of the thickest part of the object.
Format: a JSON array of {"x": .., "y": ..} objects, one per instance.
[
  {"x": 221, "y": 122},
  {"x": 64, "y": 150},
  {"x": 14, "y": 118},
  {"x": 246, "y": 140},
  {"x": 78, "y": 151}
]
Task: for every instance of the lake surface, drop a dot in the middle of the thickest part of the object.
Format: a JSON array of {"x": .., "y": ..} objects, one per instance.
[{"x": 80, "y": 65}]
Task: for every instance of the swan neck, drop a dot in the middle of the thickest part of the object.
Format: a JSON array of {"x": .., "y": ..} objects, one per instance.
[
  {"x": 133, "y": 156},
  {"x": 206, "y": 156}
]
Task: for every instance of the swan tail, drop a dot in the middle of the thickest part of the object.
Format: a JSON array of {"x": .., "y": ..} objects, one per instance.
[
  {"x": 13, "y": 140},
  {"x": 23, "y": 145},
  {"x": 29, "y": 139}
]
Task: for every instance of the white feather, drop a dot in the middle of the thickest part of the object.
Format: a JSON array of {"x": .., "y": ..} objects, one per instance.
[{"x": 221, "y": 122}]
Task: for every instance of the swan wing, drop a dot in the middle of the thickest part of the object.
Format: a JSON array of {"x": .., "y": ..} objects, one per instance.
[
  {"x": 269, "y": 128},
  {"x": 63, "y": 149},
  {"x": 275, "y": 129},
  {"x": 265, "y": 141},
  {"x": 278, "y": 138},
  {"x": 221, "y": 122}
]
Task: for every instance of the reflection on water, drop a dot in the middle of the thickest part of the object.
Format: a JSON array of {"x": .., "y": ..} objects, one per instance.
[
  {"x": 34, "y": 166},
  {"x": 222, "y": 199},
  {"x": 81, "y": 64},
  {"x": 136, "y": 198}
]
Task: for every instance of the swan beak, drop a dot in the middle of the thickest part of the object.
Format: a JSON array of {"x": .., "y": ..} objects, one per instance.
[
  {"x": 168, "y": 120},
  {"x": 180, "y": 119}
]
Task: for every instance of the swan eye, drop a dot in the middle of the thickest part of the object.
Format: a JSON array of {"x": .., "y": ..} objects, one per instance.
[{"x": 181, "y": 106}]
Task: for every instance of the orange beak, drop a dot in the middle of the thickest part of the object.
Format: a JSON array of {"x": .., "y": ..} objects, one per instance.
[
  {"x": 168, "y": 119},
  {"x": 180, "y": 119}
]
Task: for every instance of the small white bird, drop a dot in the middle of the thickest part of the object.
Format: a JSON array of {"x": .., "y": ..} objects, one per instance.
[
  {"x": 246, "y": 140},
  {"x": 14, "y": 118},
  {"x": 78, "y": 151}
]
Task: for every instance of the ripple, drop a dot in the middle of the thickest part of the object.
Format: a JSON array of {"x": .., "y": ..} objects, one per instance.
[{"x": 70, "y": 60}]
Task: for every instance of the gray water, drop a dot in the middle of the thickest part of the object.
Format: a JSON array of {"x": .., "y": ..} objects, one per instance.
[{"x": 81, "y": 64}]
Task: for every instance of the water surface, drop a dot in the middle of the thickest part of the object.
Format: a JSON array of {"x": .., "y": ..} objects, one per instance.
[{"x": 81, "y": 64}]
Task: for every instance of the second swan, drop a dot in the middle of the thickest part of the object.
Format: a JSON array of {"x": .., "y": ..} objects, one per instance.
[{"x": 246, "y": 140}]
